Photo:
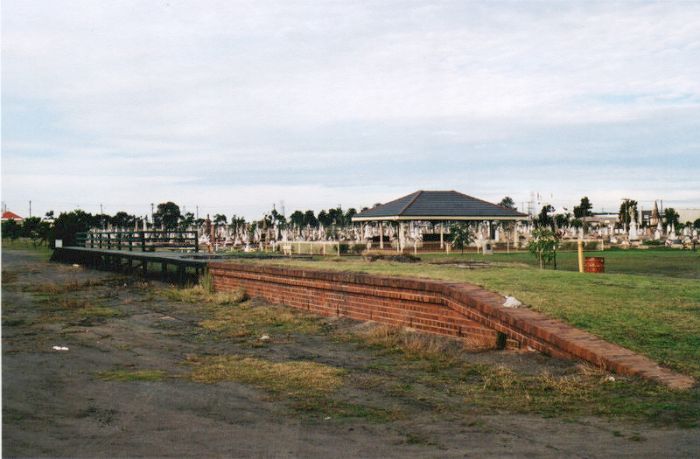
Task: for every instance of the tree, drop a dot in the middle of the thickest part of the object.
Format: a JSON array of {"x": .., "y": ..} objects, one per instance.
[
  {"x": 69, "y": 223},
  {"x": 671, "y": 216},
  {"x": 220, "y": 218},
  {"x": 310, "y": 219},
  {"x": 351, "y": 212},
  {"x": 323, "y": 218},
  {"x": 11, "y": 230},
  {"x": 507, "y": 202},
  {"x": 336, "y": 216},
  {"x": 167, "y": 215},
  {"x": 696, "y": 224},
  {"x": 461, "y": 236},
  {"x": 277, "y": 217},
  {"x": 583, "y": 209},
  {"x": 543, "y": 219},
  {"x": 31, "y": 228},
  {"x": 543, "y": 245},
  {"x": 627, "y": 206},
  {"x": 563, "y": 220},
  {"x": 237, "y": 222},
  {"x": 123, "y": 220},
  {"x": 297, "y": 218},
  {"x": 186, "y": 220}
]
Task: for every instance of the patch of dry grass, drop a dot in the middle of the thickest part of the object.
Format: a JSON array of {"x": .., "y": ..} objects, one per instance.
[
  {"x": 64, "y": 309},
  {"x": 294, "y": 379},
  {"x": 53, "y": 288},
  {"x": 200, "y": 294},
  {"x": 248, "y": 319},
  {"x": 413, "y": 345}
]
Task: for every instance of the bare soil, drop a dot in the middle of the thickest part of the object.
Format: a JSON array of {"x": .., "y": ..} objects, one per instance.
[{"x": 56, "y": 404}]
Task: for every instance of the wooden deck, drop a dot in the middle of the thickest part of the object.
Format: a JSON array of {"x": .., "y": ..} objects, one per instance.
[{"x": 187, "y": 266}]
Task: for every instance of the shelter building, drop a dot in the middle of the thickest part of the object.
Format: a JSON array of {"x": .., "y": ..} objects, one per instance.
[{"x": 438, "y": 208}]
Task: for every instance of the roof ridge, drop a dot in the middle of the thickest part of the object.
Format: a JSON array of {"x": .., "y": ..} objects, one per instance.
[{"x": 403, "y": 209}]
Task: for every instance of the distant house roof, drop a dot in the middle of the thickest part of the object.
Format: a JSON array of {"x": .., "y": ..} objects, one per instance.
[
  {"x": 438, "y": 205},
  {"x": 7, "y": 215}
]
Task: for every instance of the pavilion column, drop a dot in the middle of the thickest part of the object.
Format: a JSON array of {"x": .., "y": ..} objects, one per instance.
[
  {"x": 442, "y": 238},
  {"x": 381, "y": 235}
]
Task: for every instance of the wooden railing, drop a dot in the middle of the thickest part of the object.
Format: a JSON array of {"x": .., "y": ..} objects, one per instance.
[{"x": 143, "y": 241}]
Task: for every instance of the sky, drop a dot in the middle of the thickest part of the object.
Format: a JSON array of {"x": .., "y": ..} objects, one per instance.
[{"x": 236, "y": 106}]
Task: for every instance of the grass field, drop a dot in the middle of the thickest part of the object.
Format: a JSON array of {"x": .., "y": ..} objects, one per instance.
[
  {"x": 657, "y": 262},
  {"x": 653, "y": 308}
]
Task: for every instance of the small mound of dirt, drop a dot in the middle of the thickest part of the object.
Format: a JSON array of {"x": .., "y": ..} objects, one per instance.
[
  {"x": 463, "y": 264},
  {"x": 402, "y": 258}
]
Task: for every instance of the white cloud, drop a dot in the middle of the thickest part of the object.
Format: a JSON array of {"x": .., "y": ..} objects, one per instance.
[{"x": 287, "y": 94}]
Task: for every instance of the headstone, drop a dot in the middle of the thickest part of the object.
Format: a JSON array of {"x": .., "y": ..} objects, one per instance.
[{"x": 633, "y": 231}]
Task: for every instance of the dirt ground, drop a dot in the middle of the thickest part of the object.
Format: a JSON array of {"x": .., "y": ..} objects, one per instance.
[{"x": 64, "y": 403}]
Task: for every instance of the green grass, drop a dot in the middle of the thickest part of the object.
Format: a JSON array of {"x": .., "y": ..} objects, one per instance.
[
  {"x": 656, "y": 315},
  {"x": 656, "y": 262}
]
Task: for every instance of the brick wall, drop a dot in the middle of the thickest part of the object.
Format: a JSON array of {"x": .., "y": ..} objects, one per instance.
[
  {"x": 398, "y": 302},
  {"x": 459, "y": 310}
]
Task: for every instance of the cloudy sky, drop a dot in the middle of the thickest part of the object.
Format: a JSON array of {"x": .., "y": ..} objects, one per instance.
[{"x": 236, "y": 106}]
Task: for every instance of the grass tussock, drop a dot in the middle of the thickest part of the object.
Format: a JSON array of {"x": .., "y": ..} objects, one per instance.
[
  {"x": 131, "y": 375},
  {"x": 200, "y": 294},
  {"x": 412, "y": 345},
  {"x": 295, "y": 379},
  {"x": 252, "y": 320}
]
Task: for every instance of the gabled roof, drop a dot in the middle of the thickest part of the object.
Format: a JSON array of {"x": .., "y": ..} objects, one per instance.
[
  {"x": 439, "y": 205},
  {"x": 7, "y": 215}
]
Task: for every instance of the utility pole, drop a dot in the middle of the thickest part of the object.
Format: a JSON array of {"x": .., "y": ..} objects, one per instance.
[
  {"x": 101, "y": 212},
  {"x": 152, "y": 214},
  {"x": 197, "y": 212},
  {"x": 30, "y": 208}
]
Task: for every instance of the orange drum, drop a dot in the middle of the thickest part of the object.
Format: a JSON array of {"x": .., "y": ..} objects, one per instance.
[{"x": 594, "y": 265}]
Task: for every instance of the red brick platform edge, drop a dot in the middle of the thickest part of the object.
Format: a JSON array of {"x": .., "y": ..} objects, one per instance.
[{"x": 458, "y": 310}]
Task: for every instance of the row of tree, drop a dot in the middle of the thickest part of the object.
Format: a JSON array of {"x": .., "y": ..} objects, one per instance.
[{"x": 627, "y": 213}]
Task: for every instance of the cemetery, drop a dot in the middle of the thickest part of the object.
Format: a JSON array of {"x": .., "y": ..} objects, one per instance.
[
  {"x": 440, "y": 290},
  {"x": 426, "y": 228},
  {"x": 418, "y": 222}
]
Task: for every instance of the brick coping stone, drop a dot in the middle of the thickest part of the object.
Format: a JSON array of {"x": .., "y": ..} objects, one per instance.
[{"x": 531, "y": 328}]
